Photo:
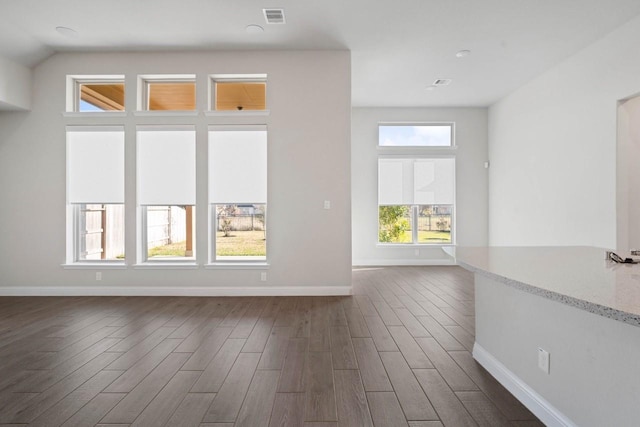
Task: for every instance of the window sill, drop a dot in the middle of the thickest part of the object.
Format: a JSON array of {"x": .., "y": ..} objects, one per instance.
[
  {"x": 92, "y": 114},
  {"x": 167, "y": 266},
  {"x": 414, "y": 245},
  {"x": 95, "y": 265},
  {"x": 232, "y": 113},
  {"x": 417, "y": 150},
  {"x": 175, "y": 113},
  {"x": 240, "y": 265}
]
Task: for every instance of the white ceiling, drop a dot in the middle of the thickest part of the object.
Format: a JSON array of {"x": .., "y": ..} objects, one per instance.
[{"x": 398, "y": 47}]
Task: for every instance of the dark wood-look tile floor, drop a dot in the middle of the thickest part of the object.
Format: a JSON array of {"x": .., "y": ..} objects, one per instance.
[{"x": 396, "y": 353}]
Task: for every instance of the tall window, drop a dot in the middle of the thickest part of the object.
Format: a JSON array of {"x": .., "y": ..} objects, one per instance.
[
  {"x": 166, "y": 169},
  {"x": 416, "y": 184},
  {"x": 238, "y": 192},
  {"x": 95, "y": 192}
]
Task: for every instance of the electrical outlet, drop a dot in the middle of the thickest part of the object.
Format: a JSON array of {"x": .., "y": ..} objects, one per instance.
[
  {"x": 327, "y": 204},
  {"x": 263, "y": 276},
  {"x": 98, "y": 275},
  {"x": 416, "y": 252},
  {"x": 543, "y": 360}
]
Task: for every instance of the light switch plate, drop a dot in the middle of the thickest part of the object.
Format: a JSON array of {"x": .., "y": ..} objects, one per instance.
[{"x": 543, "y": 360}]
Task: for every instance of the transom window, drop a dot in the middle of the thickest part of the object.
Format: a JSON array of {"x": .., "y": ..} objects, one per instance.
[
  {"x": 416, "y": 135},
  {"x": 168, "y": 93},
  {"x": 231, "y": 92},
  {"x": 96, "y": 94}
]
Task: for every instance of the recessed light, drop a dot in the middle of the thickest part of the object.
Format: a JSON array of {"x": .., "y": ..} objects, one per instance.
[
  {"x": 67, "y": 32},
  {"x": 463, "y": 53},
  {"x": 254, "y": 29}
]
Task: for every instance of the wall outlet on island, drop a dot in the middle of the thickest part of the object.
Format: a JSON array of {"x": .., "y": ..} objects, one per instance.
[{"x": 543, "y": 360}]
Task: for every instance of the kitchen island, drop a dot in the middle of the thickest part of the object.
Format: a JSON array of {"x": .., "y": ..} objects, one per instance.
[{"x": 574, "y": 304}]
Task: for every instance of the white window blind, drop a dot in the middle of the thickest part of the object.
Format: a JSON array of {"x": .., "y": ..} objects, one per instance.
[
  {"x": 416, "y": 181},
  {"x": 95, "y": 164},
  {"x": 433, "y": 181},
  {"x": 237, "y": 164},
  {"x": 166, "y": 165}
]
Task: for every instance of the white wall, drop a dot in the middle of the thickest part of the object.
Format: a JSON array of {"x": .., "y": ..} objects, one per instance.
[
  {"x": 15, "y": 86},
  {"x": 471, "y": 182},
  {"x": 593, "y": 378},
  {"x": 552, "y": 146},
  {"x": 309, "y": 96}
]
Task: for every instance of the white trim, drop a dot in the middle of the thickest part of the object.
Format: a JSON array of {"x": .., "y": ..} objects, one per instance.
[
  {"x": 166, "y": 113},
  {"x": 175, "y": 291},
  {"x": 540, "y": 407},
  {"x": 233, "y": 113},
  {"x": 403, "y": 262},
  {"x": 93, "y": 114},
  {"x": 240, "y": 265},
  {"x": 239, "y": 77},
  {"x": 167, "y": 265},
  {"x": 105, "y": 265}
]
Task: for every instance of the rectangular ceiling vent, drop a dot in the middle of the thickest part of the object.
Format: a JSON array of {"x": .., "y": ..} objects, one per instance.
[
  {"x": 274, "y": 16},
  {"x": 442, "y": 82}
]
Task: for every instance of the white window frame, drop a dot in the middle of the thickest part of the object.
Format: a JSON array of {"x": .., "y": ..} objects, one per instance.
[
  {"x": 235, "y": 78},
  {"x": 396, "y": 148},
  {"x": 417, "y": 152},
  {"x": 144, "y": 80},
  {"x": 74, "y": 219},
  {"x": 142, "y": 251},
  {"x": 213, "y": 222},
  {"x": 73, "y": 92}
]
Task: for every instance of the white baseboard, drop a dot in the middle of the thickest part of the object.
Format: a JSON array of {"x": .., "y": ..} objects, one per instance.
[
  {"x": 540, "y": 407},
  {"x": 175, "y": 291},
  {"x": 400, "y": 262}
]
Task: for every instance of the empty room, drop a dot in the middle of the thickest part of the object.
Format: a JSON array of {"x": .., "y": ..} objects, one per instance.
[{"x": 335, "y": 214}]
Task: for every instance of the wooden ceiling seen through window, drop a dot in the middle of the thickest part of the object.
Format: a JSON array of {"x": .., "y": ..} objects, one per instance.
[
  {"x": 176, "y": 96},
  {"x": 104, "y": 96},
  {"x": 240, "y": 96}
]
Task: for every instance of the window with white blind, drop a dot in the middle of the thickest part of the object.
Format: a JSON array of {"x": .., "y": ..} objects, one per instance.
[
  {"x": 95, "y": 193},
  {"x": 238, "y": 192},
  {"x": 416, "y": 200},
  {"x": 166, "y": 189}
]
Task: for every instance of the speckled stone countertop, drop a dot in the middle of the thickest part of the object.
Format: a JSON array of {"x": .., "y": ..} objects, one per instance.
[{"x": 577, "y": 276}]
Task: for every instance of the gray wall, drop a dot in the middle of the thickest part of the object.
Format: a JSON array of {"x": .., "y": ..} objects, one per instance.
[
  {"x": 309, "y": 162},
  {"x": 471, "y": 183},
  {"x": 15, "y": 86}
]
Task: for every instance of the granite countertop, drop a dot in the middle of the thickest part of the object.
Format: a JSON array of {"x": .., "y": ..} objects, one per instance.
[{"x": 577, "y": 276}]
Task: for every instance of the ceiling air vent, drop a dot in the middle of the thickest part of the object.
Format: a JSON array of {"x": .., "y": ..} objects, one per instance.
[
  {"x": 442, "y": 82},
  {"x": 274, "y": 16}
]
